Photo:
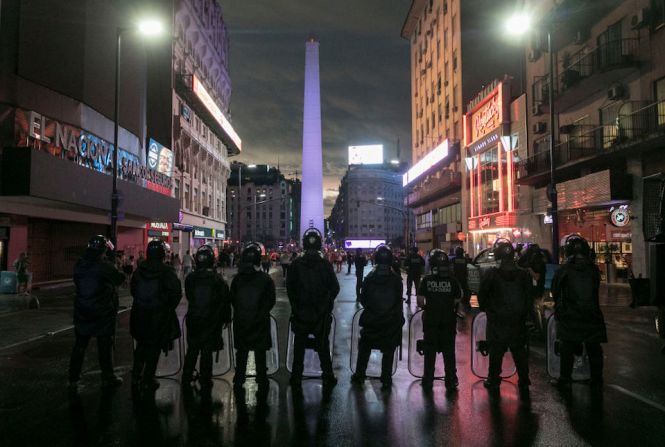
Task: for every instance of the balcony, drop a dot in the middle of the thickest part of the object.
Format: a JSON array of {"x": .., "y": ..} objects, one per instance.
[
  {"x": 434, "y": 187},
  {"x": 638, "y": 125}
]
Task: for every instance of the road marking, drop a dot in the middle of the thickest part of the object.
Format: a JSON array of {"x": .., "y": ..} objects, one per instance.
[
  {"x": 48, "y": 334},
  {"x": 642, "y": 399}
]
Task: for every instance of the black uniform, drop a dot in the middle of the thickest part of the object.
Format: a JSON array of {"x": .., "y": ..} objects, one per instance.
[
  {"x": 505, "y": 294},
  {"x": 252, "y": 297},
  {"x": 312, "y": 287},
  {"x": 442, "y": 293},
  {"x": 209, "y": 309},
  {"x": 95, "y": 311},
  {"x": 382, "y": 319},
  {"x": 579, "y": 318},
  {"x": 415, "y": 266},
  {"x": 461, "y": 273},
  {"x": 153, "y": 322},
  {"x": 360, "y": 263}
]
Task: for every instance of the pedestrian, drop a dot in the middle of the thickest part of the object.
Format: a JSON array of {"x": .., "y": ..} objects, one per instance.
[
  {"x": 21, "y": 266},
  {"x": 533, "y": 261},
  {"x": 461, "y": 274},
  {"x": 141, "y": 258},
  {"x": 349, "y": 261},
  {"x": 285, "y": 262},
  {"x": 153, "y": 322},
  {"x": 360, "y": 263},
  {"x": 252, "y": 297},
  {"x": 127, "y": 268},
  {"x": 187, "y": 263},
  {"x": 580, "y": 322},
  {"x": 505, "y": 293},
  {"x": 439, "y": 295},
  {"x": 265, "y": 262},
  {"x": 312, "y": 287},
  {"x": 382, "y": 318},
  {"x": 95, "y": 310},
  {"x": 415, "y": 266},
  {"x": 177, "y": 265},
  {"x": 339, "y": 260},
  {"x": 208, "y": 311}
]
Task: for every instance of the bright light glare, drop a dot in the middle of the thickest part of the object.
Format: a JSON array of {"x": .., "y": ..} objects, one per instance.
[
  {"x": 251, "y": 166},
  {"x": 518, "y": 24},
  {"x": 151, "y": 27}
]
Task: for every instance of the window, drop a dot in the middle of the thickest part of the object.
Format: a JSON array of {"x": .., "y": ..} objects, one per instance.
[
  {"x": 177, "y": 189},
  {"x": 660, "y": 98},
  {"x": 187, "y": 197},
  {"x": 658, "y": 13},
  {"x": 489, "y": 185},
  {"x": 196, "y": 200}
]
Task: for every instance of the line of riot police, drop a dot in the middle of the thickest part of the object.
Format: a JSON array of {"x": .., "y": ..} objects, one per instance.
[{"x": 505, "y": 295}]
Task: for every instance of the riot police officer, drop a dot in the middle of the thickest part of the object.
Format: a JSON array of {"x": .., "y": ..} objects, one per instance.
[
  {"x": 461, "y": 273},
  {"x": 439, "y": 294},
  {"x": 95, "y": 310},
  {"x": 252, "y": 298},
  {"x": 577, "y": 310},
  {"x": 382, "y": 318},
  {"x": 505, "y": 293},
  {"x": 415, "y": 266},
  {"x": 312, "y": 287},
  {"x": 208, "y": 310},
  {"x": 153, "y": 322}
]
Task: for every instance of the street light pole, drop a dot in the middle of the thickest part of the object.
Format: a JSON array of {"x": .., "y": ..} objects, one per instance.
[
  {"x": 116, "y": 114},
  {"x": 238, "y": 196},
  {"x": 552, "y": 186}
]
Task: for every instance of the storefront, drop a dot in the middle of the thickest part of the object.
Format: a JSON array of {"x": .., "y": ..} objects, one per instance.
[
  {"x": 158, "y": 231},
  {"x": 207, "y": 236},
  {"x": 490, "y": 162},
  {"x": 55, "y": 193}
]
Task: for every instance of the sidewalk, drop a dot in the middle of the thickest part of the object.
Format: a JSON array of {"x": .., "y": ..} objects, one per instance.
[{"x": 49, "y": 311}]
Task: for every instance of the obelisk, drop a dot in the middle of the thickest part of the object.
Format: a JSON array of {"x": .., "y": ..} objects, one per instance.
[{"x": 311, "y": 205}]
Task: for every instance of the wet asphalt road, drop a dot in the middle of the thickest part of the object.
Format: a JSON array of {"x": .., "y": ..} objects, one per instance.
[{"x": 35, "y": 409}]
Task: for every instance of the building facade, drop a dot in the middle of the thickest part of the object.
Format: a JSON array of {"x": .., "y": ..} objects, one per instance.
[
  {"x": 450, "y": 62},
  {"x": 57, "y": 131},
  {"x": 263, "y": 205},
  {"x": 370, "y": 205},
  {"x": 609, "y": 107},
  {"x": 203, "y": 137}
]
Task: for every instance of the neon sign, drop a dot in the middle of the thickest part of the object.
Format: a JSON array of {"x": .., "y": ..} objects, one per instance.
[{"x": 216, "y": 112}]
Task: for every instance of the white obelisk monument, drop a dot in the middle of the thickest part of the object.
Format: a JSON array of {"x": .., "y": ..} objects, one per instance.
[{"x": 311, "y": 206}]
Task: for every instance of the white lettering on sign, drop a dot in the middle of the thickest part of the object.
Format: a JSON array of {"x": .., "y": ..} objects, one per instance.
[
  {"x": 439, "y": 286},
  {"x": 486, "y": 119},
  {"x": 159, "y": 225},
  {"x": 484, "y": 222},
  {"x": 199, "y": 233}
]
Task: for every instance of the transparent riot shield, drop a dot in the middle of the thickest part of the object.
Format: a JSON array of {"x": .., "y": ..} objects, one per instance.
[
  {"x": 272, "y": 359},
  {"x": 312, "y": 365},
  {"x": 416, "y": 362},
  {"x": 480, "y": 360},
  {"x": 221, "y": 360},
  {"x": 374, "y": 364},
  {"x": 581, "y": 368},
  {"x": 170, "y": 362}
]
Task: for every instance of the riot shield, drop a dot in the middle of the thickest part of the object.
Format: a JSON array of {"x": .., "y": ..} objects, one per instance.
[
  {"x": 170, "y": 362},
  {"x": 272, "y": 359},
  {"x": 480, "y": 360},
  {"x": 221, "y": 360},
  {"x": 374, "y": 364},
  {"x": 581, "y": 368},
  {"x": 416, "y": 361},
  {"x": 312, "y": 365}
]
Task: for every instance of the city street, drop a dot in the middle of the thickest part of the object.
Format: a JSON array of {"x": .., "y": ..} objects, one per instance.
[{"x": 35, "y": 408}]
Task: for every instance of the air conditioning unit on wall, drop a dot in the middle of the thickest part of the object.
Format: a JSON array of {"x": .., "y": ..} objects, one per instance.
[
  {"x": 539, "y": 127},
  {"x": 640, "y": 19},
  {"x": 537, "y": 110},
  {"x": 616, "y": 92}
]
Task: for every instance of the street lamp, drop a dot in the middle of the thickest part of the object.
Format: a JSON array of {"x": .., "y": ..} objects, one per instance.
[
  {"x": 519, "y": 24},
  {"x": 146, "y": 27}
]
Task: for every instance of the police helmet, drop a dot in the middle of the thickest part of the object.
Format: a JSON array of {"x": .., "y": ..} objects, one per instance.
[
  {"x": 576, "y": 245},
  {"x": 312, "y": 240},
  {"x": 156, "y": 250},
  {"x": 413, "y": 250},
  {"x": 504, "y": 250},
  {"x": 99, "y": 244},
  {"x": 383, "y": 255},
  {"x": 251, "y": 254},
  {"x": 439, "y": 261},
  {"x": 459, "y": 252},
  {"x": 205, "y": 257}
]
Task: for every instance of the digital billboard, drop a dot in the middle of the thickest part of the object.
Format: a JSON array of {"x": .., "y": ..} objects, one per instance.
[
  {"x": 438, "y": 154},
  {"x": 363, "y": 243},
  {"x": 160, "y": 158},
  {"x": 366, "y": 155}
]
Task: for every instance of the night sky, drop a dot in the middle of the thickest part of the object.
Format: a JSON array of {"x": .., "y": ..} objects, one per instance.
[{"x": 365, "y": 79}]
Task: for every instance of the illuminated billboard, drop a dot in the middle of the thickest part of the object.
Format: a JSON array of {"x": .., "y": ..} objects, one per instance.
[
  {"x": 438, "y": 154},
  {"x": 362, "y": 243},
  {"x": 366, "y": 155},
  {"x": 215, "y": 111},
  {"x": 160, "y": 158}
]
